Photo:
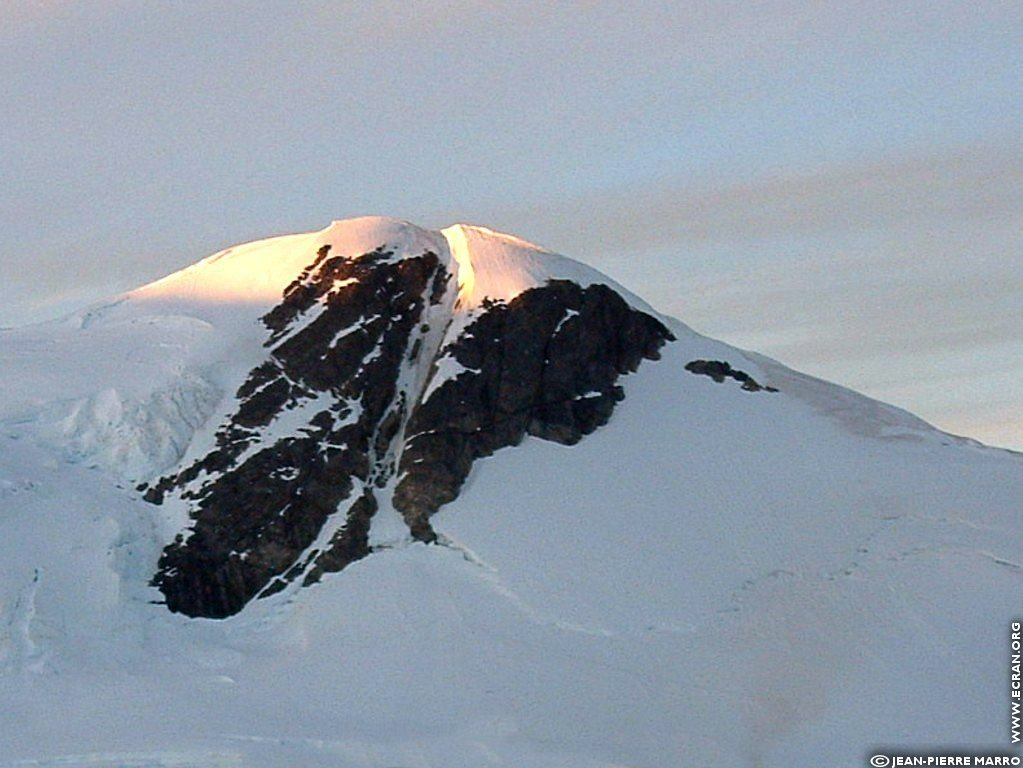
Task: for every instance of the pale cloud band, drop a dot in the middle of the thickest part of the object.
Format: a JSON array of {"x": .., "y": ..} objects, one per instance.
[{"x": 899, "y": 277}]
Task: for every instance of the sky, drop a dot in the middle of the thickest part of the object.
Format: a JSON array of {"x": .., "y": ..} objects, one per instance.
[{"x": 836, "y": 185}]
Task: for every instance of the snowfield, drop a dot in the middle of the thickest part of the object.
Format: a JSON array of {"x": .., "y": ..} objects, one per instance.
[{"x": 715, "y": 577}]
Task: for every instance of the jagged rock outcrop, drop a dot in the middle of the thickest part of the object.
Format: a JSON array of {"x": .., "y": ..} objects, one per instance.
[
  {"x": 544, "y": 364},
  {"x": 339, "y": 341},
  {"x": 719, "y": 370},
  {"x": 343, "y": 403}
]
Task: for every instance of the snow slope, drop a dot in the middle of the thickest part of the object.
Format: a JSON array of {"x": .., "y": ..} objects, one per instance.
[{"x": 716, "y": 576}]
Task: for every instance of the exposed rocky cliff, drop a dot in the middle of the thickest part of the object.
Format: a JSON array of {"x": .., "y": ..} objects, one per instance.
[
  {"x": 544, "y": 364},
  {"x": 372, "y": 372}
]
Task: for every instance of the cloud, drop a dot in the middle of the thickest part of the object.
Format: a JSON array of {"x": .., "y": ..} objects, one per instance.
[
  {"x": 964, "y": 184},
  {"x": 25, "y": 18},
  {"x": 20, "y": 12},
  {"x": 926, "y": 244},
  {"x": 899, "y": 277}
]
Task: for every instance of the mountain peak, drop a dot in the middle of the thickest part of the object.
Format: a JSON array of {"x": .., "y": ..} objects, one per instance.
[
  {"x": 488, "y": 265},
  {"x": 394, "y": 358},
  {"x": 433, "y": 485}
]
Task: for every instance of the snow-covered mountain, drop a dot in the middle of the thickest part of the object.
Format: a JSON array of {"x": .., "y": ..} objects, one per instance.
[{"x": 383, "y": 496}]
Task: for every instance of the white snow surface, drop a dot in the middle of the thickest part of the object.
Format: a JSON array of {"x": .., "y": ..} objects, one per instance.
[
  {"x": 716, "y": 577},
  {"x": 496, "y": 266}
]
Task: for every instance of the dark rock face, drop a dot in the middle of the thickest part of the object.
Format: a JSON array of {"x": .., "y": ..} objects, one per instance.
[
  {"x": 334, "y": 412},
  {"x": 338, "y": 343},
  {"x": 545, "y": 364},
  {"x": 720, "y": 370}
]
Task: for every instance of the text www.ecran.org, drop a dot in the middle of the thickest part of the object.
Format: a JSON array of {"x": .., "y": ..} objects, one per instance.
[{"x": 1014, "y": 683}]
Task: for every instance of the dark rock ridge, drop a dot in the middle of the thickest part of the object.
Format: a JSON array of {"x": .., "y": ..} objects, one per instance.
[
  {"x": 335, "y": 411},
  {"x": 720, "y": 370},
  {"x": 544, "y": 364},
  {"x": 339, "y": 341}
]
